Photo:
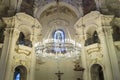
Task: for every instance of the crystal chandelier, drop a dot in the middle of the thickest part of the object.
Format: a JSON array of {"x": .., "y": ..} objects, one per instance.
[
  {"x": 57, "y": 47},
  {"x": 54, "y": 48}
]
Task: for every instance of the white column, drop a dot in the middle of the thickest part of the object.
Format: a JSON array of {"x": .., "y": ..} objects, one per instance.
[
  {"x": 112, "y": 53},
  {"x": 5, "y": 54},
  {"x": 106, "y": 57},
  {"x": 33, "y": 60},
  {"x": 84, "y": 62},
  {"x": 13, "y": 38},
  {"x": 83, "y": 54}
]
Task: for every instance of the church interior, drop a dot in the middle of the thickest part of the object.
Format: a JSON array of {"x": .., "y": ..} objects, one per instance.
[{"x": 59, "y": 40}]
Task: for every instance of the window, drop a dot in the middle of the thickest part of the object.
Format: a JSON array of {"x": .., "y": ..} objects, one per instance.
[
  {"x": 17, "y": 77},
  {"x": 20, "y": 73},
  {"x": 17, "y": 74},
  {"x": 59, "y": 40}
]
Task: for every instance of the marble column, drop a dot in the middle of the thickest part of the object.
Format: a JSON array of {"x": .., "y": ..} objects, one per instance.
[
  {"x": 5, "y": 53},
  {"x": 106, "y": 57},
  {"x": 33, "y": 60},
  {"x": 83, "y": 53},
  {"x": 14, "y": 37},
  {"x": 112, "y": 53}
]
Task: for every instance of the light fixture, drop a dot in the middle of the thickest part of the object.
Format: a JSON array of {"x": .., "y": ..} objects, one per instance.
[
  {"x": 50, "y": 48},
  {"x": 57, "y": 48}
]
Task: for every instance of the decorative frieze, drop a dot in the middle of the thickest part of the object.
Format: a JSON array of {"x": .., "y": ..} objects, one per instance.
[
  {"x": 21, "y": 49},
  {"x": 93, "y": 48},
  {"x": 20, "y": 60},
  {"x": 106, "y": 20}
]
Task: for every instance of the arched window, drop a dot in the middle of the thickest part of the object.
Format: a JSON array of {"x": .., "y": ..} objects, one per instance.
[
  {"x": 59, "y": 39},
  {"x": 20, "y": 73},
  {"x": 93, "y": 38},
  {"x": 17, "y": 77}
]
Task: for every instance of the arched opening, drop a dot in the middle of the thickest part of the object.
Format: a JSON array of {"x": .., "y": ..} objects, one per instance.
[
  {"x": 20, "y": 73},
  {"x": 116, "y": 33},
  {"x": 97, "y": 72},
  {"x": 92, "y": 38},
  {"x": 59, "y": 40},
  {"x": 22, "y": 40}
]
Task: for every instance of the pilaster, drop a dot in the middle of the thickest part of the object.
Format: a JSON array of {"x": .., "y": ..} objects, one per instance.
[
  {"x": 106, "y": 57},
  {"x": 112, "y": 53},
  {"x": 5, "y": 53},
  {"x": 81, "y": 38}
]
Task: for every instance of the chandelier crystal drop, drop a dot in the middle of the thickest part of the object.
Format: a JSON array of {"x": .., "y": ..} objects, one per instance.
[{"x": 54, "y": 48}]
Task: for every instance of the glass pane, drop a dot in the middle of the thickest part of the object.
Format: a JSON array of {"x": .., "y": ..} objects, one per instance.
[
  {"x": 17, "y": 76},
  {"x": 59, "y": 39}
]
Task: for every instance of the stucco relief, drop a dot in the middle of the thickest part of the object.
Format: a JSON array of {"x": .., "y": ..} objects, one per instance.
[
  {"x": 54, "y": 9},
  {"x": 20, "y": 60},
  {"x": 60, "y": 22},
  {"x": 21, "y": 49},
  {"x": 9, "y": 22},
  {"x": 75, "y": 3},
  {"x": 106, "y": 20},
  {"x": 94, "y": 53}
]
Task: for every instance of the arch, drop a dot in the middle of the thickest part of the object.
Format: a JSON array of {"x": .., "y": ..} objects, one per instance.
[
  {"x": 26, "y": 32},
  {"x": 22, "y": 40},
  {"x": 91, "y": 35},
  {"x": 97, "y": 72},
  {"x": 59, "y": 34},
  {"x": 90, "y": 28},
  {"x": 26, "y": 29},
  {"x": 59, "y": 38},
  {"x": 20, "y": 73},
  {"x": 72, "y": 8}
]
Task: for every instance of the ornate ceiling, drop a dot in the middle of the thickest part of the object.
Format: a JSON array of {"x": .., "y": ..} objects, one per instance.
[{"x": 75, "y": 3}]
